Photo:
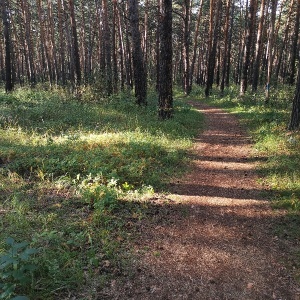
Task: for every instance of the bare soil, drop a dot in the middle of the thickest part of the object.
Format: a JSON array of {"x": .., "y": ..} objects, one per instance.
[{"x": 212, "y": 237}]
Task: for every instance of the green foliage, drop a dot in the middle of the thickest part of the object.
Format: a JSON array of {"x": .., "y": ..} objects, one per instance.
[
  {"x": 75, "y": 172},
  {"x": 16, "y": 269},
  {"x": 50, "y": 136},
  {"x": 101, "y": 196}
]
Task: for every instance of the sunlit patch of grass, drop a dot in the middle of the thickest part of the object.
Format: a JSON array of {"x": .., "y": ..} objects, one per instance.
[
  {"x": 75, "y": 172},
  {"x": 54, "y": 138}
]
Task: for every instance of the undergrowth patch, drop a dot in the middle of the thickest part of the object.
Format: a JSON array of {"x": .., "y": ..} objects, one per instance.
[{"x": 74, "y": 174}]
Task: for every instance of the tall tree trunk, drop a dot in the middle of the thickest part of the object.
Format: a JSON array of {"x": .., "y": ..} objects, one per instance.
[
  {"x": 166, "y": 53},
  {"x": 294, "y": 46},
  {"x": 157, "y": 45},
  {"x": 258, "y": 47},
  {"x": 121, "y": 49},
  {"x": 228, "y": 62},
  {"x": 107, "y": 48},
  {"x": 52, "y": 42},
  {"x": 2, "y": 46},
  {"x": 186, "y": 46},
  {"x": 28, "y": 41},
  {"x": 295, "y": 114},
  {"x": 210, "y": 42},
  {"x": 247, "y": 52},
  {"x": 196, "y": 41},
  {"x": 128, "y": 60},
  {"x": 270, "y": 48},
  {"x": 226, "y": 40},
  {"x": 284, "y": 41},
  {"x": 140, "y": 81},
  {"x": 83, "y": 42},
  {"x": 75, "y": 43},
  {"x": 212, "y": 49},
  {"x": 60, "y": 13},
  {"x": 46, "y": 61},
  {"x": 8, "y": 64},
  {"x": 114, "y": 48},
  {"x": 145, "y": 38}
]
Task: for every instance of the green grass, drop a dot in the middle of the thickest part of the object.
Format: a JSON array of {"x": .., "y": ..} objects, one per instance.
[
  {"x": 74, "y": 173},
  {"x": 278, "y": 149}
]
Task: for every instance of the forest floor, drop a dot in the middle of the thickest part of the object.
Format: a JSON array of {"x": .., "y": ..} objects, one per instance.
[{"x": 213, "y": 236}]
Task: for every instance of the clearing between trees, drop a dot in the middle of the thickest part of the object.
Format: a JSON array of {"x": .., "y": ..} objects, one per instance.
[{"x": 213, "y": 237}]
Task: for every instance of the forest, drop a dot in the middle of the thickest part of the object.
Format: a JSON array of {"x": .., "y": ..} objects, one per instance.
[
  {"x": 101, "y": 105},
  {"x": 121, "y": 45}
]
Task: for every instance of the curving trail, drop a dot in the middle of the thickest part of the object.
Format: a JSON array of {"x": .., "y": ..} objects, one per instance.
[{"x": 212, "y": 237}]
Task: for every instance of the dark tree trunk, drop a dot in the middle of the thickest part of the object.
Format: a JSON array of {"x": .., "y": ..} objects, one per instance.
[
  {"x": 214, "y": 34},
  {"x": 8, "y": 65},
  {"x": 52, "y": 42},
  {"x": 258, "y": 48},
  {"x": 47, "y": 66},
  {"x": 284, "y": 41},
  {"x": 247, "y": 53},
  {"x": 129, "y": 76},
  {"x": 107, "y": 49},
  {"x": 114, "y": 46},
  {"x": 294, "y": 46},
  {"x": 186, "y": 46},
  {"x": 210, "y": 43},
  {"x": 157, "y": 43},
  {"x": 28, "y": 42},
  {"x": 121, "y": 49},
  {"x": 75, "y": 43},
  {"x": 226, "y": 41},
  {"x": 196, "y": 42},
  {"x": 295, "y": 115},
  {"x": 140, "y": 81},
  {"x": 166, "y": 53},
  {"x": 228, "y": 68},
  {"x": 270, "y": 49},
  {"x": 60, "y": 15}
]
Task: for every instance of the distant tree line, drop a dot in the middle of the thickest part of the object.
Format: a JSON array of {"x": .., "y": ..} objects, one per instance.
[{"x": 122, "y": 44}]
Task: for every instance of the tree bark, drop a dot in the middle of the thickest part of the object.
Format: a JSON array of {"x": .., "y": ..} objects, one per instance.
[
  {"x": 60, "y": 14},
  {"x": 247, "y": 53},
  {"x": 226, "y": 41},
  {"x": 8, "y": 64},
  {"x": 196, "y": 42},
  {"x": 213, "y": 41},
  {"x": 166, "y": 54},
  {"x": 107, "y": 49},
  {"x": 46, "y": 62},
  {"x": 258, "y": 47},
  {"x": 186, "y": 46},
  {"x": 295, "y": 114},
  {"x": 114, "y": 48},
  {"x": 75, "y": 43},
  {"x": 28, "y": 42},
  {"x": 140, "y": 81},
  {"x": 270, "y": 49},
  {"x": 121, "y": 49},
  {"x": 294, "y": 46},
  {"x": 52, "y": 42}
]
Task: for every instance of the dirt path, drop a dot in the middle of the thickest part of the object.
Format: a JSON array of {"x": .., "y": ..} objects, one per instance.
[{"x": 210, "y": 239}]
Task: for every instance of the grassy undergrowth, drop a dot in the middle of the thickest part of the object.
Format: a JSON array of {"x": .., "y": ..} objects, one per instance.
[
  {"x": 74, "y": 173},
  {"x": 277, "y": 148}
]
